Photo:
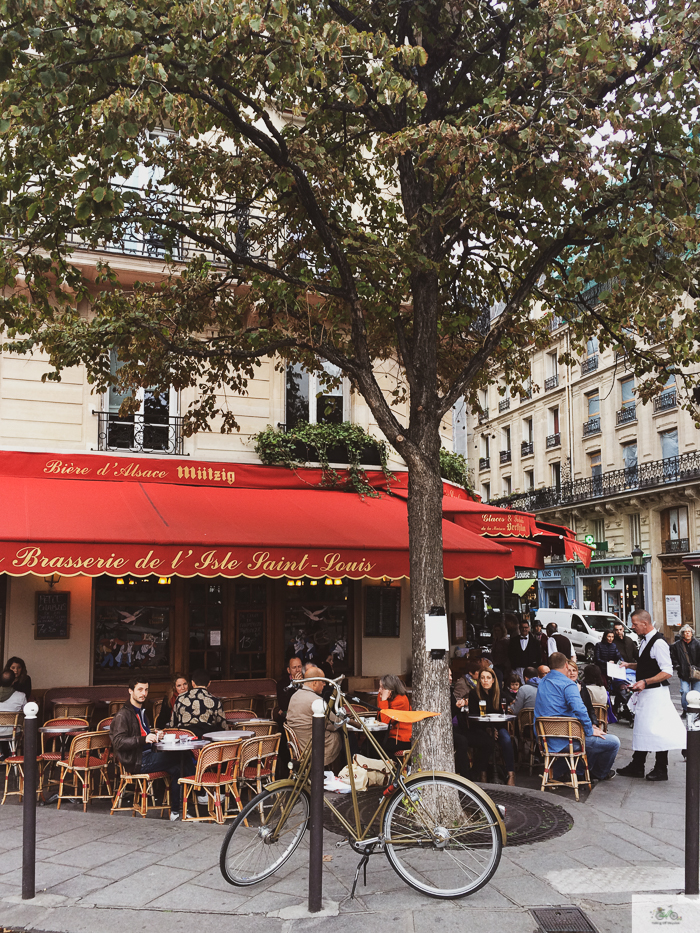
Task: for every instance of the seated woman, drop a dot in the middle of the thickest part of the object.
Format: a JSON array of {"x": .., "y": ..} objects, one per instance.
[
  {"x": 606, "y": 650},
  {"x": 23, "y": 682},
  {"x": 392, "y": 695},
  {"x": 593, "y": 680},
  {"x": 179, "y": 685},
  {"x": 487, "y": 690}
]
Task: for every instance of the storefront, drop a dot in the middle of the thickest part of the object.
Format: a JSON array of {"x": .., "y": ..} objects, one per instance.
[
  {"x": 113, "y": 564},
  {"x": 556, "y": 585},
  {"x": 613, "y": 586}
]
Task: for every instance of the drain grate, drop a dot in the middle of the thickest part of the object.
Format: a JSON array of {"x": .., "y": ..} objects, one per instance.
[{"x": 562, "y": 920}]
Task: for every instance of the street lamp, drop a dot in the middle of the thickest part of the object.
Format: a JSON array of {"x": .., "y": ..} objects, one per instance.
[{"x": 638, "y": 561}]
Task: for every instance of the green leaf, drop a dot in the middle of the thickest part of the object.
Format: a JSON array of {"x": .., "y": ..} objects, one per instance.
[
  {"x": 98, "y": 194},
  {"x": 83, "y": 210}
]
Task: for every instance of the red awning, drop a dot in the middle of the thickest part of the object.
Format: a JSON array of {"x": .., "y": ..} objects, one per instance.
[
  {"x": 489, "y": 520},
  {"x": 526, "y": 554},
  {"x": 122, "y": 525}
]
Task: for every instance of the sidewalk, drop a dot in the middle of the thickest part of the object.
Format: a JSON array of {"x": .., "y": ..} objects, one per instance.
[{"x": 118, "y": 873}]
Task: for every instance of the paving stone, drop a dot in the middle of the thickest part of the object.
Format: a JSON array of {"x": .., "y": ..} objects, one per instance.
[
  {"x": 92, "y": 855},
  {"x": 191, "y": 897},
  {"x": 124, "y": 866},
  {"x": 142, "y": 888}
]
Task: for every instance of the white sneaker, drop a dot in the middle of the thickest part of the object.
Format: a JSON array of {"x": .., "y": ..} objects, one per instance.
[
  {"x": 203, "y": 798},
  {"x": 174, "y": 816}
]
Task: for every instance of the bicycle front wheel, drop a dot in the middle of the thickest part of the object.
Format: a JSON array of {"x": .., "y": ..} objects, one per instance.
[
  {"x": 442, "y": 838},
  {"x": 264, "y": 835}
]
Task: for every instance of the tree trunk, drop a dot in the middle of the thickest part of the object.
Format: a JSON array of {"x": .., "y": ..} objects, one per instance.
[{"x": 430, "y": 677}]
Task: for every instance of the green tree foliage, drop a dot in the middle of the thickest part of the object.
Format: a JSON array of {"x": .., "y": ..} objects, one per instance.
[{"x": 351, "y": 180}]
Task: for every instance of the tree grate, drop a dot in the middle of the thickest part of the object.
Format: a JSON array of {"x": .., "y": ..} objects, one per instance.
[{"x": 562, "y": 920}]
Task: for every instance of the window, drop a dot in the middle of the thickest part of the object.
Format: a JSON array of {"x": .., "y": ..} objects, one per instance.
[
  {"x": 155, "y": 427},
  {"x": 554, "y": 420},
  {"x": 627, "y": 391},
  {"x": 629, "y": 456},
  {"x": 485, "y": 446},
  {"x": 674, "y": 530},
  {"x": 552, "y": 367},
  {"x": 599, "y": 529},
  {"x": 484, "y": 399},
  {"x": 555, "y": 469},
  {"x": 595, "y": 463},
  {"x": 310, "y": 398},
  {"x": 527, "y": 431},
  {"x": 669, "y": 444},
  {"x": 529, "y": 480},
  {"x": 486, "y": 491},
  {"x": 593, "y": 402},
  {"x": 635, "y": 529},
  {"x": 505, "y": 438},
  {"x": 591, "y": 346},
  {"x": 507, "y": 486}
]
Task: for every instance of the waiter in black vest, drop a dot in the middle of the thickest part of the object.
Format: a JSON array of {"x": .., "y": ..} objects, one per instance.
[{"x": 657, "y": 725}]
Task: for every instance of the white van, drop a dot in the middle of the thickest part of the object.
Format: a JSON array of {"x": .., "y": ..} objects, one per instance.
[{"x": 584, "y": 629}]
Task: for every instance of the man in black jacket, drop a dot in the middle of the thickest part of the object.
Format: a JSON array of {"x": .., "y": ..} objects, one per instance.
[
  {"x": 685, "y": 655},
  {"x": 524, "y": 651},
  {"x": 624, "y": 644},
  {"x": 133, "y": 742}
]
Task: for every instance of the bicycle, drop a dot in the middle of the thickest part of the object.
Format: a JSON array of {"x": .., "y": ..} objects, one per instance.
[{"x": 440, "y": 832}]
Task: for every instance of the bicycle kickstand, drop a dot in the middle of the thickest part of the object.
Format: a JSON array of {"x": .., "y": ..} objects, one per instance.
[{"x": 362, "y": 864}]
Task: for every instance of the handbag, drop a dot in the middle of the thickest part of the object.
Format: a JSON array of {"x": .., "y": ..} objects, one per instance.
[{"x": 694, "y": 671}]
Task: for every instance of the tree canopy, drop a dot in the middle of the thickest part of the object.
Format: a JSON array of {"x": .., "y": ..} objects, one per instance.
[{"x": 351, "y": 181}]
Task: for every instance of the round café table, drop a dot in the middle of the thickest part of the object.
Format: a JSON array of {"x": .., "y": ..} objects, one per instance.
[
  {"x": 63, "y": 732},
  {"x": 229, "y": 736},
  {"x": 182, "y": 746},
  {"x": 493, "y": 719}
]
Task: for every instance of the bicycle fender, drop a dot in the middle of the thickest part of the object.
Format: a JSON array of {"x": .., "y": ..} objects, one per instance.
[
  {"x": 474, "y": 788},
  {"x": 276, "y": 785}
]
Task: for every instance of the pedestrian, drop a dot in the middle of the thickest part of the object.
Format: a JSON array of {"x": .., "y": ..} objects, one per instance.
[
  {"x": 606, "y": 650},
  {"x": 685, "y": 654},
  {"x": 657, "y": 725}
]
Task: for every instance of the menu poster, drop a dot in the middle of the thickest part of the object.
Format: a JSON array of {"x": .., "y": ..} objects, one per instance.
[
  {"x": 673, "y": 610},
  {"x": 52, "y": 615}
]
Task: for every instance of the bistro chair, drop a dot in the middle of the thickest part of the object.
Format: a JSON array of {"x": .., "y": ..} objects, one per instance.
[
  {"x": 141, "y": 786},
  {"x": 239, "y": 715},
  {"x": 240, "y": 701},
  {"x": 571, "y": 730},
  {"x": 528, "y": 740},
  {"x": 215, "y": 774},
  {"x": 53, "y": 745},
  {"x": 263, "y": 727},
  {"x": 116, "y": 705},
  {"x": 267, "y": 703},
  {"x": 88, "y": 758},
  {"x": 601, "y": 714},
  {"x": 13, "y": 721},
  {"x": 104, "y": 724},
  {"x": 14, "y": 761},
  {"x": 258, "y": 759},
  {"x": 73, "y": 710},
  {"x": 294, "y": 747}
]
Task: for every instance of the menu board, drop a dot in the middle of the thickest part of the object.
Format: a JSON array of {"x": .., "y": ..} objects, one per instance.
[
  {"x": 52, "y": 615},
  {"x": 251, "y": 630},
  {"x": 382, "y": 611}
]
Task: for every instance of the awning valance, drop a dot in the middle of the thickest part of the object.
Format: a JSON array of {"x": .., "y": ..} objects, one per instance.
[{"x": 86, "y": 523}]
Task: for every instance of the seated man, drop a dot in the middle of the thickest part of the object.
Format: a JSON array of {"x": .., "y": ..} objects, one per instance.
[
  {"x": 133, "y": 741},
  {"x": 557, "y": 695},
  {"x": 197, "y": 710},
  {"x": 11, "y": 701},
  {"x": 300, "y": 715},
  {"x": 286, "y": 686}
]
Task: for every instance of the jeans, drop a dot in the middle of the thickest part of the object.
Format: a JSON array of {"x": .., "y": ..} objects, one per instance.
[
  {"x": 687, "y": 685},
  {"x": 506, "y": 747},
  {"x": 153, "y": 760},
  {"x": 601, "y": 754}
]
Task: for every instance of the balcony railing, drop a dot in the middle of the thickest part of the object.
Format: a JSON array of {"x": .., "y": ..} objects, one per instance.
[
  {"x": 551, "y": 382},
  {"x": 484, "y": 463},
  {"x": 666, "y": 400},
  {"x": 555, "y": 322},
  {"x": 677, "y": 546},
  {"x": 626, "y": 414},
  {"x": 527, "y": 448},
  {"x": 504, "y": 404},
  {"x": 657, "y": 474},
  {"x": 526, "y": 395},
  {"x": 554, "y": 440},
  {"x": 505, "y": 456},
  {"x": 592, "y": 426},
  {"x": 135, "y": 434},
  {"x": 483, "y": 416},
  {"x": 589, "y": 365}
]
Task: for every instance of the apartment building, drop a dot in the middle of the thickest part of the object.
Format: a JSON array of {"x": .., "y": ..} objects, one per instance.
[{"x": 580, "y": 449}]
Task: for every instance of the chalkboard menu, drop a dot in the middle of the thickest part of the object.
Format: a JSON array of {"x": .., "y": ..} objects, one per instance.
[
  {"x": 251, "y": 630},
  {"x": 382, "y": 611},
  {"x": 52, "y": 615}
]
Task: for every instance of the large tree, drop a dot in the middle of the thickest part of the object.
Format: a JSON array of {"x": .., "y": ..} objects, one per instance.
[{"x": 353, "y": 182}]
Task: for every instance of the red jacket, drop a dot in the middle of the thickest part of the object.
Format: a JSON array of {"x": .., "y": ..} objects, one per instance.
[{"x": 399, "y": 731}]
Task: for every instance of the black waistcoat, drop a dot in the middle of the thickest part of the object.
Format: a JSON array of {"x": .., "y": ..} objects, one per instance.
[{"x": 646, "y": 665}]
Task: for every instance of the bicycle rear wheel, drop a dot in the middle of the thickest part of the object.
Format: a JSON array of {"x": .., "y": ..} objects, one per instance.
[
  {"x": 442, "y": 838},
  {"x": 263, "y": 836}
]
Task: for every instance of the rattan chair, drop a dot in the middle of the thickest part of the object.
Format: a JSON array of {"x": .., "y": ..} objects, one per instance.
[
  {"x": 239, "y": 715},
  {"x": 52, "y": 745},
  {"x": 15, "y": 760},
  {"x": 294, "y": 747},
  {"x": 141, "y": 786},
  {"x": 73, "y": 710},
  {"x": 571, "y": 730},
  {"x": 239, "y": 702},
  {"x": 215, "y": 775},
  {"x": 116, "y": 705},
  {"x": 104, "y": 724},
  {"x": 526, "y": 730},
  {"x": 264, "y": 727},
  {"x": 88, "y": 758},
  {"x": 601, "y": 714},
  {"x": 257, "y": 763}
]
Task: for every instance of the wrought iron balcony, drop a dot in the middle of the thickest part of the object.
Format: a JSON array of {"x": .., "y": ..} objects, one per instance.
[
  {"x": 505, "y": 456},
  {"x": 555, "y": 322},
  {"x": 139, "y": 436},
  {"x": 554, "y": 440},
  {"x": 677, "y": 546},
  {"x": 527, "y": 448},
  {"x": 551, "y": 382},
  {"x": 589, "y": 365},
  {"x": 666, "y": 400},
  {"x": 627, "y": 413},
  {"x": 504, "y": 404},
  {"x": 483, "y": 416},
  {"x": 484, "y": 463},
  {"x": 592, "y": 426},
  {"x": 659, "y": 474},
  {"x": 526, "y": 394}
]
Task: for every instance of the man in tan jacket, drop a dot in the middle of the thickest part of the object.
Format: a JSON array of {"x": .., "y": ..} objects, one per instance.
[{"x": 299, "y": 716}]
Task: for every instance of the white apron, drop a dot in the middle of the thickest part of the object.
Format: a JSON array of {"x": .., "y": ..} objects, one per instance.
[{"x": 657, "y": 725}]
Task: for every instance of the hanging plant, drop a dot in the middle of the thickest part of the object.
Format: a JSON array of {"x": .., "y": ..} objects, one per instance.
[
  {"x": 455, "y": 468},
  {"x": 325, "y": 444}
]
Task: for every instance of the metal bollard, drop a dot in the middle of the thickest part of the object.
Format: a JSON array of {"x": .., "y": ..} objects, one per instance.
[
  {"x": 31, "y": 723},
  {"x": 692, "y": 795},
  {"x": 316, "y": 821}
]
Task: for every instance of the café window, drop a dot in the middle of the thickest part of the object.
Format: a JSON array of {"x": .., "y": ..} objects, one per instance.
[
  {"x": 249, "y": 651},
  {"x": 310, "y": 397},
  {"x": 317, "y": 622},
  {"x": 132, "y": 627},
  {"x": 206, "y": 629}
]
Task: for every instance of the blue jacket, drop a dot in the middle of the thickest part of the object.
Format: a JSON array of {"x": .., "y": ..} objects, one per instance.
[{"x": 559, "y": 696}]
